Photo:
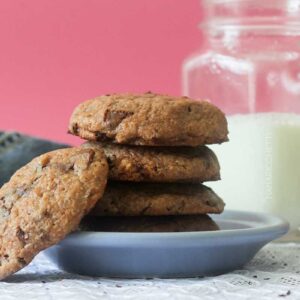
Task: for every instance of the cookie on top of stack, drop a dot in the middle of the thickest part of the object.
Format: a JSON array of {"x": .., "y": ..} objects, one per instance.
[{"x": 155, "y": 147}]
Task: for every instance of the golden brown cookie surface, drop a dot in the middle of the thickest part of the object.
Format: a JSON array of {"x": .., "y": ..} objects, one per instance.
[
  {"x": 45, "y": 200},
  {"x": 157, "y": 199},
  {"x": 149, "y": 119},
  {"x": 159, "y": 164}
]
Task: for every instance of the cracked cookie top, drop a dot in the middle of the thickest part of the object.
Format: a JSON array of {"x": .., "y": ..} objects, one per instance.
[{"x": 149, "y": 119}]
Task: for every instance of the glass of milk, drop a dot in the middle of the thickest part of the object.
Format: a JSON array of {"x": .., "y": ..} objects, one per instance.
[{"x": 250, "y": 67}]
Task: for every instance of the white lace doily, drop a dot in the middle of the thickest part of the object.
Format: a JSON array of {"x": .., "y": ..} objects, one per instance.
[{"x": 273, "y": 274}]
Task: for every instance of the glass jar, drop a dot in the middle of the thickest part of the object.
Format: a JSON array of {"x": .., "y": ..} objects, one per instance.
[{"x": 250, "y": 68}]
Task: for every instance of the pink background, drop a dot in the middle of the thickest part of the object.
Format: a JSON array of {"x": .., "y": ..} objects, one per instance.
[{"x": 57, "y": 53}]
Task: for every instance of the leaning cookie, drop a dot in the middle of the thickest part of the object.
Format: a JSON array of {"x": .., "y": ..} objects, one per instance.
[
  {"x": 154, "y": 199},
  {"x": 45, "y": 200},
  {"x": 149, "y": 119},
  {"x": 163, "y": 164}
]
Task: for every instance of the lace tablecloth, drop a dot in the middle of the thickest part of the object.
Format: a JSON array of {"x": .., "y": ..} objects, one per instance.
[{"x": 273, "y": 274}]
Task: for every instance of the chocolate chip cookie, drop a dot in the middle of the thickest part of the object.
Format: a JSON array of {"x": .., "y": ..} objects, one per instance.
[
  {"x": 45, "y": 200},
  {"x": 154, "y": 199},
  {"x": 149, "y": 224},
  {"x": 149, "y": 119},
  {"x": 159, "y": 164}
]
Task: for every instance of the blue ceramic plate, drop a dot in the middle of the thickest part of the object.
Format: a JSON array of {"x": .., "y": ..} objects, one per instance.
[{"x": 169, "y": 255}]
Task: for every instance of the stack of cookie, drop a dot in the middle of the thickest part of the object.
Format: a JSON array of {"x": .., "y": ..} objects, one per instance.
[
  {"x": 155, "y": 147},
  {"x": 150, "y": 147}
]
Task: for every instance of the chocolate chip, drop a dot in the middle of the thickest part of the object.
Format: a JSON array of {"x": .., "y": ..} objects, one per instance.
[
  {"x": 110, "y": 161},
  {"x": 113, "y": 118},
  {"x": 22, "y": 261},
  {"x": 101, "y": 137},
  {"x": 208, "y": 203},
  {"x": 64, "y": 167},
  {"x": 139, "y": 167},
  {"x": 75, "y": 128},
  {"x": 21, "y": 235},
  {"x": 47, "y": 214},
  {"x": 91, "y": 157}
]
